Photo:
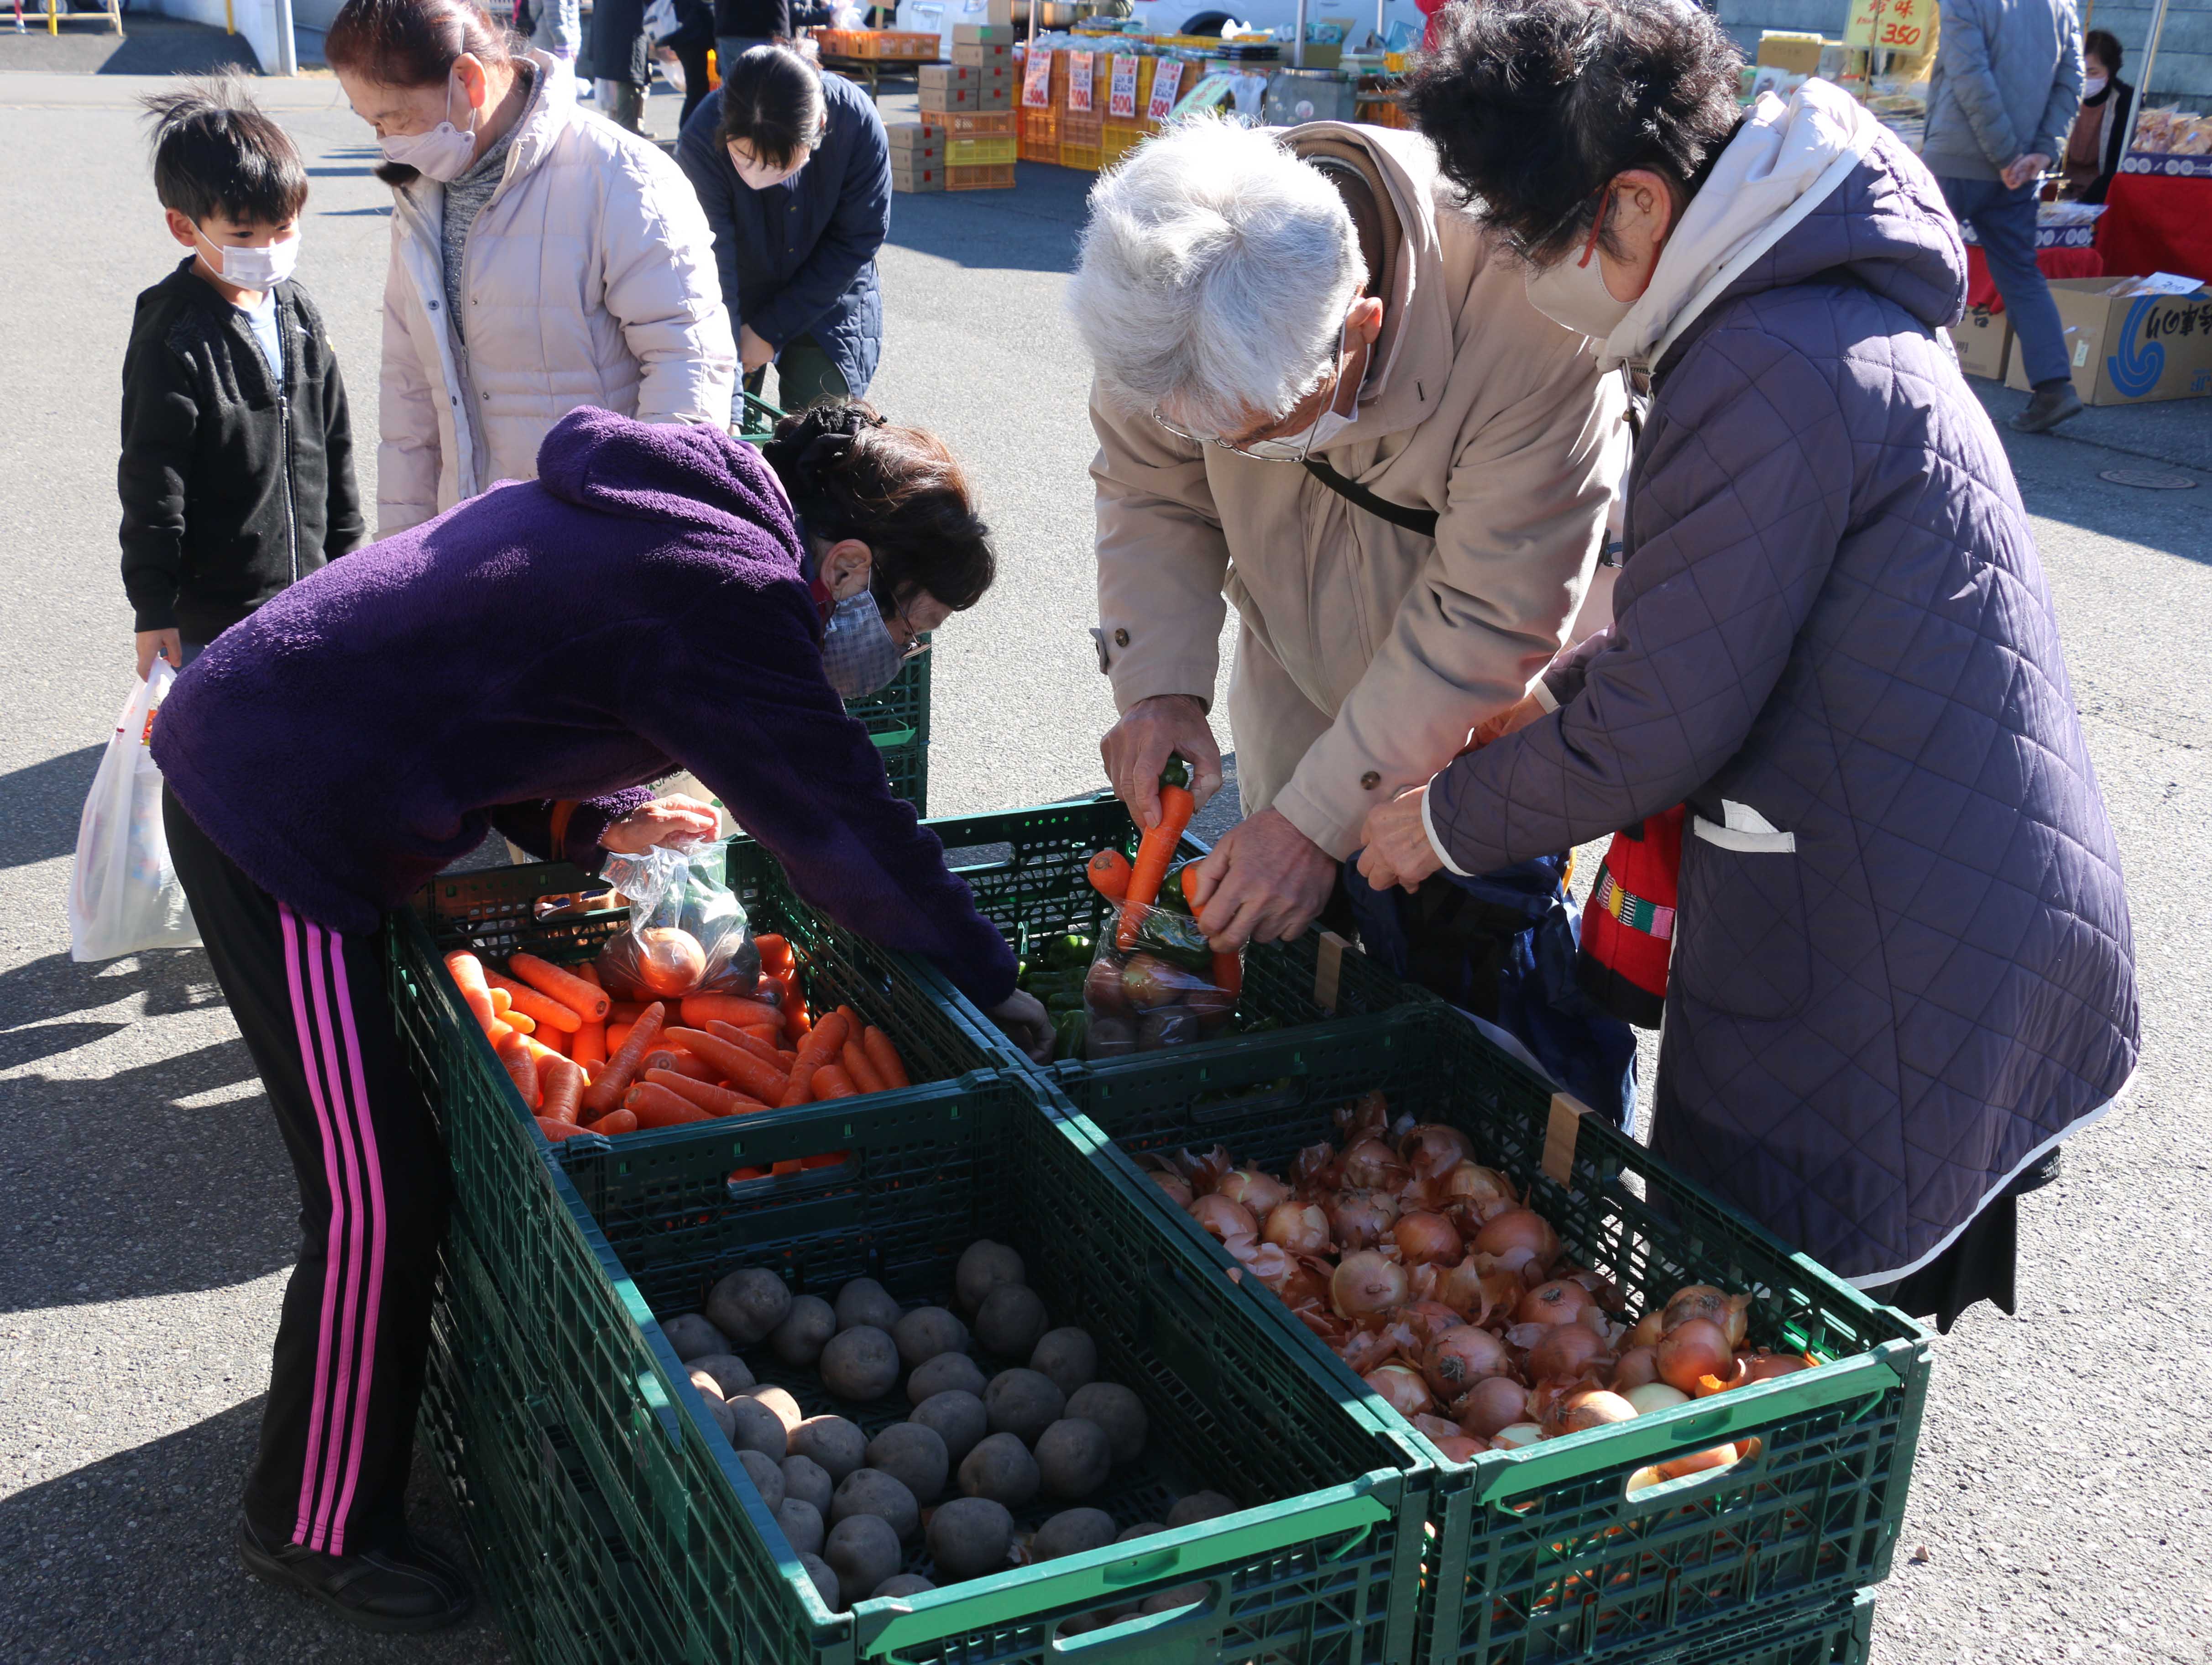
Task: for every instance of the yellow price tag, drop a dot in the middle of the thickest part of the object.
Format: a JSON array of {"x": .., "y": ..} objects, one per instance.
[{"x": 1891, "y": 25}]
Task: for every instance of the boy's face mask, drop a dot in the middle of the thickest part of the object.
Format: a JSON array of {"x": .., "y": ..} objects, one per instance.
[
  {"x": 859, "y": 655},
  {"x": 262, "y": 268}
]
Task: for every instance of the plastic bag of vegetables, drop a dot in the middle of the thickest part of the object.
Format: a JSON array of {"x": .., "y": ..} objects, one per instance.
[
  {"x": 687, "y": 932},
  {"x": 1153, "y": 981}
]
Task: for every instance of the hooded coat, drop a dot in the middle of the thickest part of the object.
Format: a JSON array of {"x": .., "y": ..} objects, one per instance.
[{"x": 1903, "y": 967}]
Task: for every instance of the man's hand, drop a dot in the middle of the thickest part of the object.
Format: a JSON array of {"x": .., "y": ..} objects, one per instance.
[
  {"x": 1137, "y": 749},
  {"x": 1265, "y": 881},
  {"x": 1517, "y": 715},
  {"x": 2021, "y": 169},
  {"x": 752, "y": 351},
  {"x": 1398, "y": 851},
  {"x": 1026, "y": 1023},
  {"x": 672, "y": 820},
  {"x": 159, "y": 644}
]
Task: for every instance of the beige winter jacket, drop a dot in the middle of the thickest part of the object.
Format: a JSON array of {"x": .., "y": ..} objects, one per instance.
[
  {"x": 1367, "y": 652},
  {"x": 590, "y": 279}
]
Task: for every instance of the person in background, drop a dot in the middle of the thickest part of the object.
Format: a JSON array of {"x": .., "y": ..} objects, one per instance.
[
  {"x": 690, "y": 46},
  {"x": 742, "y": 25},
  {"x": 618, "y": 60},
  {"x": 2094, "y": 147},
  {"x": 541, "y": 259},
  {"x": 237, "y": 468},
  {"x": 2006, "y": 85},
  {"x": 794, "y": 170}
]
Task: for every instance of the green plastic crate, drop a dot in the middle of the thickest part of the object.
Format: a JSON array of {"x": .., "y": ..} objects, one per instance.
[
  {"x": 1321, "y": 1566},
  {"x": 1541, "y": 1555},
  {"x": 1840, "y": 1633},
  {"x": 897, "y": 720}
]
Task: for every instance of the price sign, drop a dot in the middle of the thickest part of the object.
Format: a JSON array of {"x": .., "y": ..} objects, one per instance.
[
  {"x": 1121, "y": 96},
  {"x": 1079, "y": 71},
  {"x": 1891, "y": 26},
  {"x": 1036, "y": 81},
  {"x": 1165, "y": 79}
]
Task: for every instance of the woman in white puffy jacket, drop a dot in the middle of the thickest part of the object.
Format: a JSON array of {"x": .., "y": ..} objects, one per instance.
[{"x": 541, "y": 259}]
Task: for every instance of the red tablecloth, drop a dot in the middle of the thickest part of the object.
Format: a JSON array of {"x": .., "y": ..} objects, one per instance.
[
  {"x": 1982, "y": 289},
  {"x": 2152, "y": 223}
]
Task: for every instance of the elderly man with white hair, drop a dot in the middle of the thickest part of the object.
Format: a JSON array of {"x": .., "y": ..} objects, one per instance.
[{"x": 1322, "y": 393}]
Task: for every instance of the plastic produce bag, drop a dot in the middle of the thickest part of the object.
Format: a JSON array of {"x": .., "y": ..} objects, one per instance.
[
  {"x": 123, "y": 896},
  {"x": 1166, "y": 987},
  {"x": 688, "y": 933}
]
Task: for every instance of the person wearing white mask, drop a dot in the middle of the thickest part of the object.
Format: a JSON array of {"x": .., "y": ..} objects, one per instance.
[
  {"x": 541, "y": 258},
  {"x": 792, "y": 168}
]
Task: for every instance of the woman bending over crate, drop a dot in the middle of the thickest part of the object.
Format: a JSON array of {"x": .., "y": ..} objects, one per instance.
[{"x": 660, "y": 597}]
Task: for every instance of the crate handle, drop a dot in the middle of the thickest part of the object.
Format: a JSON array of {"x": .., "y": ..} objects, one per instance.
[
  {"x": 892, "y": 739},
  {"x": 1141, "y": 1638},
  {"x": 1744, "y": 1467},
  {"x": 1291, "y": 1098}
]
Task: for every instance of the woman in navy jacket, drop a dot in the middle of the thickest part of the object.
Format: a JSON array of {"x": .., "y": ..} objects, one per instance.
[{"x": 794, "y": 172}]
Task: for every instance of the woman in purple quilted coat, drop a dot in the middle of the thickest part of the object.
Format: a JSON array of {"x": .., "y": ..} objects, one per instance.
[{"x": 1903, "y": 969}]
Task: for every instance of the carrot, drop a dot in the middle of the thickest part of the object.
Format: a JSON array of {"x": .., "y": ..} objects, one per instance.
[
  {"x": 746, "y": 1038},
  {"x": 857, "y": 1068},
  {"x": 771, "y": 1033},
  {"x": 680, "y": 1060},
  {"x": 588, "y": 1000},
  {"x": 656, "y": 1106},
  {"x": 747, "y": 1073},
  {"x": 548, "y": 1013},
  {"x": 520, "y": 1022},
  {"x": 624, "y": 1011},
  {"x": 831, "y": 1082},
  {"x": 501, "y": 1001},
  {"x": 539, "y": 1052},
  {"x": 590, "y": 1046},
  {"x": 589, "y": 973},
  {"x": 557, "y": 1131},
  {"x": 1109, "y": 873},
  {"x": 823, "y": 1042},
  {"x": 1155, "y": 852},
  {"x": 885, "y": 1056},
  {"x": 467, "y": 973},
  {"x": 616, "y": 1121},
  {"x": 619, "y": 1033},
  {"x": 499, "y": 1031},
  {"x": 774, "y": 951},
  {"x": 606, "y": 1090},
  {"x": 715, "y": 1101},
  {"x": 700, "y": 1010},
  {"x": 559, "y": 1040},
  {"x": 563, "y": 1085},
  {"x": 521, "y": 1068}
]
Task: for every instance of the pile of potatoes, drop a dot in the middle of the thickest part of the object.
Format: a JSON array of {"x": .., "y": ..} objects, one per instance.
[{"x": 972, "y": 1451}]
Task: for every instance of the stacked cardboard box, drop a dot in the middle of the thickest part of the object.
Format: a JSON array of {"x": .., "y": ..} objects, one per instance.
[
  {"x": 917, "y": 156},
  {"x": 968, "y": 88},
  {"x": 972, "y": 99},
  {"x": 980, "y": 46}
]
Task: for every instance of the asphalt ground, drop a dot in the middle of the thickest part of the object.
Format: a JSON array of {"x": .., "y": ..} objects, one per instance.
[{"x": 2059, "y": 1509}]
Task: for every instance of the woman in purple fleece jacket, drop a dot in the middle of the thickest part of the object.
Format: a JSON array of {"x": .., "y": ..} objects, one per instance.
[{"x": 658, "y": 598}]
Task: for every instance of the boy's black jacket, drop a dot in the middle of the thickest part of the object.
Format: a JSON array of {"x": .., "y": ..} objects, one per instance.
[{"x": 232, "y": 488}]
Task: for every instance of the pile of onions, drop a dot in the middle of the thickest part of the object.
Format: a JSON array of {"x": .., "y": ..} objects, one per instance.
[{"x": 1427, "y": 1274}]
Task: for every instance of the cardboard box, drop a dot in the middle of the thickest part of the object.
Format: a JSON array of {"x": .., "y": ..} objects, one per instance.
[
  {"x": 2130, "y": 349},
  {"x": 983, "y": 57},
  {"x": 930, "y": 177},
  {"x": 1983, "y": 339},
  {"x": 1002, "y": 16},
  {"x": 913, "y": 136},
  {"x": 983, "y": 35},
  {"x": 934, "y": 75},
  {"x": 1794, "y": 54}
]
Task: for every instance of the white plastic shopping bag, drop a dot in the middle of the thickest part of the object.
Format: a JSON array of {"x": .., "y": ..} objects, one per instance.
[{"x": 123, "y": 895}]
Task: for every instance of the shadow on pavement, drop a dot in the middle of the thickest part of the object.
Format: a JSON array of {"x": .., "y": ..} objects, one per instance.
[
  {"x": 39, "y": 991},
  {"x": 130, "y": 1559},
  {"x": 44, "y": 801},
  {"x": 1032, "y": 227}
]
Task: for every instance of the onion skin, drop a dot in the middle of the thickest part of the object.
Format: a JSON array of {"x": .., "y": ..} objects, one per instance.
[
  {"x": 1461, "y": 1357},
  {"x": 1495, "y": 1402},
  {"x": 1474, "y": 1188},
  {"x": 1361, "y": 1219},
  {"x": 1433, "y": 1148},
  {"x": 1695, "y": 1349},
  {"x": 1591, "y": 1407},
  {"x": 1371, "y": 1165},
  {"x": 1222, "y": 1218},
  {"x": 1367, "y": 1283},
  {"x": 1437, "y": 1427},
  {"x": 1636, "y": 1367},
  {"x": 1730, "y": 1312},
  {"x": 1561, "y": 1301},
  {"x": 1175, "y": 1185},
  {"x": 1459, "y": 1448},
  {"x": 1461, "y": 1288},
  {"x": 1261, "y": 1193},
  {"x": 1566, "y": 1352},
  {"x": 1426, "y": 1239},
  {"x": 1513, "y": 1436},
  {"x": 1766, "y": 1366},
  {"x": 1316, "y": 1169},
  {"x": 1519, "y": 1228},
  {"x": 1302, "y": 1228},
  {"x": 1656, "y": 1396},
  {"x": 1401, "y": 1386}
]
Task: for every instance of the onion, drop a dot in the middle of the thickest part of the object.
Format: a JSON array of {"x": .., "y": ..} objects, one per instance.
[
  {"x": 1437, "y": 1427},
  {"x": 1766, "y": 1366},
  {"x": 1176, "y": 1186},
  {"x": 1566, "y": 1350},
  {"x": 1650, "y": 1330},
  {"x": 1698, "y": 1461},
  {"x": 1300, "y": 1227},
  {"x": 1257, "y": 1191},
  {"x": 1483, "y": 1189},
  {"x": 1603, "y": 1289},
  {"x": 1644, "y": 1480},
  {"x": 1495, "y": 1402},
  {"x": 1463, "y": 1356},
  {"x": 1459, "y": 1448},
  {"x": 1367, "y": 1282},
  {"x": 1433, "y": 1148},
  {"x": 1425, "y": 1320},
  {"x": 1370, "y": 1165},
  {"x": 669, "y": 961},
  {"x": 1402, "y": 1387},
  {"x": 1590, "y": 1407},
  {"x": 1424, "y": 1239},
  {"x": 1513, "y": 1436},
  {"x": 1561, "y": 1301},
  {"x": 1636, "y": 1367},
  {"x": 1713, "y": 1305},
  {"x": 1460, "y": 1287},
  {"x": 1222, "y": 1217},
  {"x": 1693, "y": 1349},
  {"x": 1520, "y": 1228},
  {"x": 1360, "y": 1219},
  {"x": 1655, "y": 1396},
  {"x": 1366, "y": 1349}
]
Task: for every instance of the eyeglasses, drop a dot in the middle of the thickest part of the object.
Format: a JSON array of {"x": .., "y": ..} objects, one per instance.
[{"x": 1335, "y": 382}]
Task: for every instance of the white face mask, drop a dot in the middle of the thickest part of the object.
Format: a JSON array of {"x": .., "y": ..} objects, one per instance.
[
  {"x": 760, "y": 177},
  {"x": 1317, "y": 436},
  {"x": 1573, "y": 295},
  {"x": 444, "y": 152},
  {"x": 2093, "y": 85},
  {"x": 254, "y": 268}
]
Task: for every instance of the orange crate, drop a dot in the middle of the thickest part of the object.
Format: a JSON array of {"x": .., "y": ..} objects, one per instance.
[
  {"x": 1382, "y": 112},
  {"x": 975, "y": 124},
  {"x": 1118, "y": 139},
  {"x": 1086, "y": 156},
  {"x": 995, "y": 176}
]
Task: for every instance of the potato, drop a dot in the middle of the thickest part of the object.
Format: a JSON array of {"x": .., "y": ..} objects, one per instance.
[
  {"x": 860, "y": 1364},
  {"x": 733, "y": 1376},
  {"x": 873, "y": 1492},
  {"x": 838, "y": 1445},
  {"x": 1001, "y": 1469},
  {"x": 1170, "y": 1026},
  {"x": 865, "y": 1301},
  {"x": 779, "y": 1401},
  {"x": 1071, "y": 1532},
  {"x": 1142, "y": 1530},
  {"x": 802, "y": 1523},
  {"x": 946, "y": 1373},
  {"x": 1109, "y": 1037},
  {"x": 1200, "y": 1506},
  {"x": 809, "y": 1481},
  {"x": 747, "y": 1305},
  {"x": 983, "y": 1266},
  {"x": 863, "y": 1551},
  {"x": 1010, "y": 1321},
  {"x": 706, "y": 1386},
  {"x": 1102, "y": 989},
  {"x": 754, "y": 1427},
  {"x": 693, "y": 1337},
  {"x": 1073, "y": 1458},
  {"x": 1182, "y": 1596},
  {"x": 799, "y": 1340},
  {"x": 825, "y": 1581},
  {"x": 971, "y": 1536},
  {"x": 904, "y": 1583},
  {"x": 916, "y": 1455},
  {"x": 957, "y": 1418},
  {"x": 1068, "y": 1356},
  {"x": 926, "y": 1332},
  {"x": 1023, "y": 1403},
  {"x": 766, "y": 1476},
  {"x": 1118, "y": 1411},
  {"x": 725, "y": 1418}
]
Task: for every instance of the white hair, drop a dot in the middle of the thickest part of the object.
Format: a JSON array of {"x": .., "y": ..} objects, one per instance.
[{"x": 1215, "y": 275}]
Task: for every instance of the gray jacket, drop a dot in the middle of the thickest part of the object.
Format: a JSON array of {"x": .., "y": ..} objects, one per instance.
[{"x": 2007, "y": 83}]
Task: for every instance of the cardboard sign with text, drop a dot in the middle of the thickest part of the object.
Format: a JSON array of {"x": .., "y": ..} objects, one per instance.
[
  {"x": 2129, "y": 350},
  {"x": 1121, "y": 91},
  {"x": 1983, "y": 338},
  {"x": 1037, "y": 81},
  {"x": 1891, "y": 25},
  {"x": 1165, "y": 79},
  {"x": 1080, "y": 72}
]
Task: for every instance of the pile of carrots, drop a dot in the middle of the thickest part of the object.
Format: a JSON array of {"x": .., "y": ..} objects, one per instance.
[{"x": 585, "y": 1062}]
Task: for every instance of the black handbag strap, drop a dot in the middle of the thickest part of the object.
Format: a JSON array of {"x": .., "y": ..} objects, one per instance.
[{"x": 1420, "y": 520}]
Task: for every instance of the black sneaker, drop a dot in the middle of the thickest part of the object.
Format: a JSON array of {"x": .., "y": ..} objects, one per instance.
[
  {"x": 408, "y": 1588},
  {"x": 2053, "y": 402}
]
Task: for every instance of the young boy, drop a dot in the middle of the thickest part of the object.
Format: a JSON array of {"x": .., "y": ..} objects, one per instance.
[{"x": 237, "y": 470}]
